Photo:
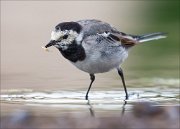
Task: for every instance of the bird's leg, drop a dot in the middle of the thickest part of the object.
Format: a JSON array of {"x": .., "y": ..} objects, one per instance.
[
  {"x": 120, "y": 72},
  {"x": 92, "y": 77}
]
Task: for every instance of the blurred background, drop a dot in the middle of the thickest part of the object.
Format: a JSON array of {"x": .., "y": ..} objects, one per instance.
[{"x": 27, "y": 25}]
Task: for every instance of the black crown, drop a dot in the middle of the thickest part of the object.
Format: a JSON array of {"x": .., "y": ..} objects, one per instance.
[{"x": 69, "y": 26}]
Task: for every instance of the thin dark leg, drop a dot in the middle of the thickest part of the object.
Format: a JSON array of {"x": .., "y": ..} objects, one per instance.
[
  {"x": 92, "y": 77},
  {"x": 120, "y": 72}
]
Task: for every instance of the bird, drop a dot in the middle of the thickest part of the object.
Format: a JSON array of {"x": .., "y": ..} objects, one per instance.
[{"x": 94, "y": 46}]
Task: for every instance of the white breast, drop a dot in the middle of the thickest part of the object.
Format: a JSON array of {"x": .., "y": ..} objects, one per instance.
[{"x": 99, "y": 61}]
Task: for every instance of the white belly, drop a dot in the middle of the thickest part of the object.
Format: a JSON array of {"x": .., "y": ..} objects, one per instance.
[{"x": 100, "y": 62}]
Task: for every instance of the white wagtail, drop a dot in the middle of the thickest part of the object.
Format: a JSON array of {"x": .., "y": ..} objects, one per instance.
[{"x": 94, "y": 46}]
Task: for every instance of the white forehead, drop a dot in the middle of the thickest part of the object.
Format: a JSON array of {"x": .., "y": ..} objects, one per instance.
[{"x": 55, "y": 35}]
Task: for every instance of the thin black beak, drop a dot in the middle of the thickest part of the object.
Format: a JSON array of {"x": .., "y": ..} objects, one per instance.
[{"x": 51, "y": 43}]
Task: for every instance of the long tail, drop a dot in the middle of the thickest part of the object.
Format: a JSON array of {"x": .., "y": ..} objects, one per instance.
[
  {"x": 128, "y": 40},
  {"x": 152, "y": 36}
]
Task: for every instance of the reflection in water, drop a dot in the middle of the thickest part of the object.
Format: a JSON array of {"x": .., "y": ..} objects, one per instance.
[
  {"x": 160, "y": 91},
  {"x": 90, "y": 108},
  {"x": 123, "y": 108},
  {"x": 99, "y": 101},
  {"x": 92, "y": 112}
]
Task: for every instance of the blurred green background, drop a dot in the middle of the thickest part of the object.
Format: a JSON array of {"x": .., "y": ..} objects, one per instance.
[
  {"x": 165, "y": 16},
  {"x": 160, "y": 57}
]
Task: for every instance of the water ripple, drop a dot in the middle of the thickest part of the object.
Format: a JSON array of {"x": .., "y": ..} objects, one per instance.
[{"x": 98, "y": 98}]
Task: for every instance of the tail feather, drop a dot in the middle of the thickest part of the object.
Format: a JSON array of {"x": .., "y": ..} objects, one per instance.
[
  {"x": 152, "y": 36},
  {"x": 128, "y": 40}
]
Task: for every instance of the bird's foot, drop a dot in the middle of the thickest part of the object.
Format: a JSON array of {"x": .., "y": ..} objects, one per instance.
[
  {"x": 86, "y": 97},
  {"x": 127, "y": 97}
]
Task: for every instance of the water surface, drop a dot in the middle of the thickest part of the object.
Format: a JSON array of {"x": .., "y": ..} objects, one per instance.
[{"x": 100, "y": 101}]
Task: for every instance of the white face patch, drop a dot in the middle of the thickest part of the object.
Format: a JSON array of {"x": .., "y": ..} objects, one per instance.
[
  {"x": 59, "y": 36},
  {"x": 71, "y": 35},
  {"x": 79, "y": 37},
  {"x": 56, "y": 35}
]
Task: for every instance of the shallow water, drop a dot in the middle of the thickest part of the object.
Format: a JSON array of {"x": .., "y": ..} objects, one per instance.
[{"x": 100, "y": 101}]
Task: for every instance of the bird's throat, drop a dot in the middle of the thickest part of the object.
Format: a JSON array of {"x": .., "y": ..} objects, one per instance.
[{"x": 75, "y": 52}]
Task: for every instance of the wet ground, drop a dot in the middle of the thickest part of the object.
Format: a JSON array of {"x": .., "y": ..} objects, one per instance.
[
  {"x": 156, "y": 106},
  {"x": 101, "y": 100},
  {"x": 55, "y": 110}
]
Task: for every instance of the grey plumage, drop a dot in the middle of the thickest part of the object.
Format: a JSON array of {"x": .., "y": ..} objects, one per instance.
[
  {"x": 94, "y": 46},
  {"x": 94, "y": 27}
]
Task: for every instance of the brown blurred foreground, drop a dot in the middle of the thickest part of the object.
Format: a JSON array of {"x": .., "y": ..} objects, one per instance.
[{"x": 144, "y": 115}]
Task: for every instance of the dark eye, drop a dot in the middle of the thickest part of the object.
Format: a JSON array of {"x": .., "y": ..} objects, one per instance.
[
  {"x": 65, "y": 36},
  {"x": 57, "y": 28}
]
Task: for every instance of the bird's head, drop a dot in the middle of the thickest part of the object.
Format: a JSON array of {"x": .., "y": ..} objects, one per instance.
[{"x": 65, "y": 34}]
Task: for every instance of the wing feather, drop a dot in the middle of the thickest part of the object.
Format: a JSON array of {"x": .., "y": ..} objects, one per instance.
[{"x": 109, "y": 33}]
